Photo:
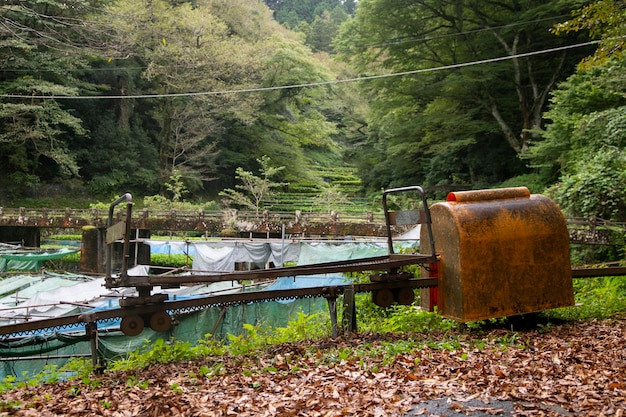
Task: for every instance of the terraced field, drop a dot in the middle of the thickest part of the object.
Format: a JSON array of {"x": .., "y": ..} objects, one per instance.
[{"x": 341, "y": 186}]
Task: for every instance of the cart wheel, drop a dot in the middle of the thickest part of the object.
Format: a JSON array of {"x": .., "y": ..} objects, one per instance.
[
  {"x": 382, "y": 298},
  {"x": 406, "y": 296},
  {"x": 132, "y": 325},
  {"x": 160, "y": 321}
]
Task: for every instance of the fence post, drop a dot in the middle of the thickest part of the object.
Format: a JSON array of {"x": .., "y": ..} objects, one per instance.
[{"x": 349, "y": 310}]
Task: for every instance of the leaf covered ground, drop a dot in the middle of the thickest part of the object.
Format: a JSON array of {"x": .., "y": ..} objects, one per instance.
[{"x": 567, "y": 369}]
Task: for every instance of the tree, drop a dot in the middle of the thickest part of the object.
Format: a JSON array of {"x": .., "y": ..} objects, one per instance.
[
  {"x": 331, "y": 198},
  {"x": 603, "y": 19},
  {"x": 472, "y": 120},
  {"x": 195, "y": 88},
  {"x": 318, "y": 20},
  {"x": 578, "y": 119},
  {"x": 583, "y": 150},
  {"x": 321, "y": 33},
  {"x": 66, "y": 49},
  {"x": 189, "y": 48},
  {"x": 255, "y": 189},
  {"x": 217, "y": 47},
  {"x": 43, "y": 46},
  {"x": 292, "y": 12},
  {"x": 176, "y": 187},
  {"x": 291, "y": 124}
]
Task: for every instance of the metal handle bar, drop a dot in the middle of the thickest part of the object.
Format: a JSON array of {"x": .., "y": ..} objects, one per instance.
[
  {"x": 420, "y": 190},
  {"x": 126, "y": 248}
]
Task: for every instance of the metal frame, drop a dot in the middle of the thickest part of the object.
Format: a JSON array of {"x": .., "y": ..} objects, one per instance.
[
  {"x": 427, "y": 220},
  {"x": 146, "y": 304},
  {"x": 390, "y": 263},
  {"x": 129, "y": 203}
]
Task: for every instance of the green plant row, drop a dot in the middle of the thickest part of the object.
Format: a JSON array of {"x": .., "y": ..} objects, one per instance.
[
  {"x": 65, "y": 237},
  {"x": 173, "y": 260},
  {"x": 70, "y": 262}
]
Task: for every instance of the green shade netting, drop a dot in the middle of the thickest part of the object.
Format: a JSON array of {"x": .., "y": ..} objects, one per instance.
[
  {"x": 30, "y": 288},
  {"x": 30, "y": 261},
  {"x": 113, "y": 344},
  {"x": 14, "y": 284},
  {"x": 327, "y": 252}
]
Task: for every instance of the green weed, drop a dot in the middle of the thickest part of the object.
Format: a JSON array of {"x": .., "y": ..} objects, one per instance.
[
  {"x": 73, "y": 391},
  {"x": 208, "y": 346},
  {"x": 8, "y": 383},
  {"x": 79, "y": 368},
  {"x": 508, "y": 340},
  {"x": 10, "y": 406},
  {"x": 301, "y": 327},
  {"x": 596, "y": 298},
  {"x": 247, "y": 342},
  {"x": 176, "y": 388},
  {"x": 133, "y": 381},
  {"x": 160, "y": 351}
]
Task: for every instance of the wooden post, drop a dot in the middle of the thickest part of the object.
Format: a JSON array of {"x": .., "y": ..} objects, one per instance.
[
  {"x": 91, "y": 253},
  {"x": 91, "y": 329},
  {"x": 349, "y": 310},
  {"x": 332, "y": 308}
]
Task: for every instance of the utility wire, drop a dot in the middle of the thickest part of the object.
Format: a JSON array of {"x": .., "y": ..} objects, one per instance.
[
  {"x": 407, "y": 39},
  {"x": 314, "y": 84},
  {"x": 389, "y": 42}
]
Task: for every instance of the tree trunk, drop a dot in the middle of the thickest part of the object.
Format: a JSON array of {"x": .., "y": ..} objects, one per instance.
[{"x": 510, "y": 136}]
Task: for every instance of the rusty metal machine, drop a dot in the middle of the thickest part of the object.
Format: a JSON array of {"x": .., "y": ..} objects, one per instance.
[
  {"x": 498, "y": 253},
  {"x": 501, "y": 252},
  {"x": 483, "y": 254}
]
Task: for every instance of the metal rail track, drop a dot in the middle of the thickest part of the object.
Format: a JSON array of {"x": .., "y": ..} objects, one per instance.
[
  {"x": 187, "y": 306},
  {"x": 378, "y": 263},
  {"x": 612, "y": 271}
]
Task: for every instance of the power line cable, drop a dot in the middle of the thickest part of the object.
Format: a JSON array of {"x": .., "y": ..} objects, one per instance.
[
  {"x": 389, "y": 42},
  {"x": 314, "y": 84},
  {"x": 407, "y": 39}
]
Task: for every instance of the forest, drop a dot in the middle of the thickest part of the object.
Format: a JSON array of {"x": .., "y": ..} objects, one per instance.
[{"x": 337, "y": 99}]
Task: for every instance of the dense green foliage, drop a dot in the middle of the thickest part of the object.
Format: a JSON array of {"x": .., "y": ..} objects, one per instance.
[
  {"x": 175, "y": 100},
  {"x": 447, "y": 122},
  {"x": 582, "y": 150},
  {"x": 317, "y": 20},
  {"x": 189, "y": 90}
]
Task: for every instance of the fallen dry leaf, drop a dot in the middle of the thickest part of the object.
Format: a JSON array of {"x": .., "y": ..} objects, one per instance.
[{"x": 575, "y": 369}]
